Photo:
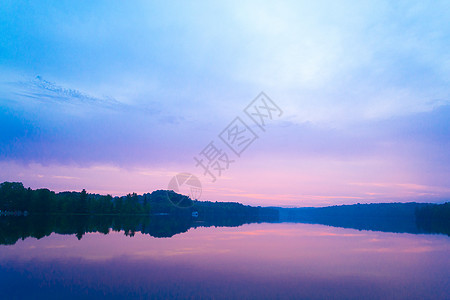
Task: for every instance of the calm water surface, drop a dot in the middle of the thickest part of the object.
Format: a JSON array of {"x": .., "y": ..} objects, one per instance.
[{"x": 254, "y": 261}]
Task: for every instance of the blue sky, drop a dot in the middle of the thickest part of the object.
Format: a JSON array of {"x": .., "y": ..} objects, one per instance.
[{"x": 141, "y": 87}]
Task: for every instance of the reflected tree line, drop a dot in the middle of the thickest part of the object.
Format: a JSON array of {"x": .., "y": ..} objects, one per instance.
[
  {"x": 14, "y": 228},
  {"x": 78, "y": 213},
  {"x": 434, "y": 218},
  {"x": 38, "y": 213}
]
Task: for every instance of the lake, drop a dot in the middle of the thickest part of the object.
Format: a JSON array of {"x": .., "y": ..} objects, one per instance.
[{"x": 251, "y": 261}]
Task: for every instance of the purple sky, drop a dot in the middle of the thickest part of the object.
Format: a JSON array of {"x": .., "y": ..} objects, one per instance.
[{"x": 116, "y": 98}]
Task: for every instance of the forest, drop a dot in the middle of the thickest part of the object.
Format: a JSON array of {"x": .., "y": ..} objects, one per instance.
[{"x": 15, "y": 199}]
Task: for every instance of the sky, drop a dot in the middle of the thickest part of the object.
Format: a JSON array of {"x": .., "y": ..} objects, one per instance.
[{"x": 118, "y": 97}]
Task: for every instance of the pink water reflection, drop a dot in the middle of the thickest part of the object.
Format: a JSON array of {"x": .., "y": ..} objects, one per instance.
[{"x": 253, "y": 261}]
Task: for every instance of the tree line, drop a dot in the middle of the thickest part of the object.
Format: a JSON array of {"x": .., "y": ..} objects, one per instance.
[
  {"x": 15, "y": 197},
  {"x": 79, "y": 213}
]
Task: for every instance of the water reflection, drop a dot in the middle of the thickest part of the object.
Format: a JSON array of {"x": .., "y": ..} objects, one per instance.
[
  {"x": 252, "y": 261},
  {"x": 38, "y": 226},
  {"x": 241, "y": 256},
  {"x": 13, "y": 228}
]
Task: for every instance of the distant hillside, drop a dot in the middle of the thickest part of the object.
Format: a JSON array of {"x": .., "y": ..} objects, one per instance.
[
  {"x": 384, "y": 210},
  {"x": 390, "y": 217}
]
